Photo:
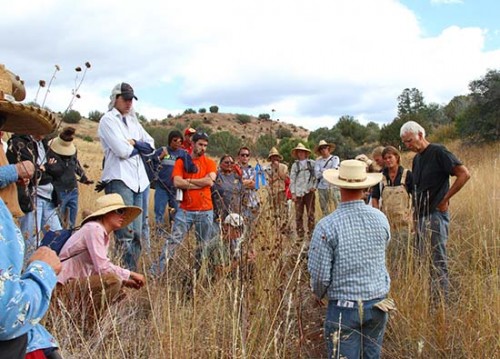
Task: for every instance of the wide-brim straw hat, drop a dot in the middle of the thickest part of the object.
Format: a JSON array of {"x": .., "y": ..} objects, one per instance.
[
  {"x": 61, "y": 147},
  {"x": 111, "y": 202},
  {"x": 351, "y": 175},
  {"x": 19, "y": 118},
  {"x": 300, "y": 147},
  {"x": 274, "y": 152},
  {"x": 323, "y": 143}
]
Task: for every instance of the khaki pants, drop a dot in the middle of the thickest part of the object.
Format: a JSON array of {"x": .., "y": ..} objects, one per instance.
[{"x": 90, "y": 296}]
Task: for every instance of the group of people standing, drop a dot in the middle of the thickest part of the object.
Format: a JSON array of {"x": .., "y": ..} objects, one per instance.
[{"x": 347, "y": 253}]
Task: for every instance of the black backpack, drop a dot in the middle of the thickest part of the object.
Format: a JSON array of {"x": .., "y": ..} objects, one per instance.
[{"x": 55, "y": 240}]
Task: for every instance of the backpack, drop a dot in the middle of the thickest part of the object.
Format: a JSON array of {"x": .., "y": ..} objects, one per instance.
[
  {"x": 55, "y": 240},
  {"x": 396, "y": 203}
]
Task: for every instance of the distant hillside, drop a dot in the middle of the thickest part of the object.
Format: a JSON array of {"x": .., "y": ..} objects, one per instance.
[{"x": 217, "y": 122}]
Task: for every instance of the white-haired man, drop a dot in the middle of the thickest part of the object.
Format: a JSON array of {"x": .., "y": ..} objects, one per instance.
[{"x": 432, "y": 167}]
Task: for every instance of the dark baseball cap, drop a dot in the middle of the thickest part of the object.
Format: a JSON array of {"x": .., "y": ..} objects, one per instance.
[{"x": 124, "y": 90}]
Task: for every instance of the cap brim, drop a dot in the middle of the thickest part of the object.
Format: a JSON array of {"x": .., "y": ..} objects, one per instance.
[
  {"x": 26, "y": 120},
  {"x": 332, "y": 177},
  {"x": 127, "y": 96}
]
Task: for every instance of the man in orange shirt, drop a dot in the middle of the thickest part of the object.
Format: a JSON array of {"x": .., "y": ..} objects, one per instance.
[{"x": 196, "y": 206}]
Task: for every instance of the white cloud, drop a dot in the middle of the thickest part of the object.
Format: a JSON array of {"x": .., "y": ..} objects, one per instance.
[
  {"x": 311, "y": 61},
  {"x": 447, "y": 1}
]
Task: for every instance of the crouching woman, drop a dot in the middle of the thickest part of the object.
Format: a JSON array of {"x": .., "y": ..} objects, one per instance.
[{"x": 88, "y": 276}]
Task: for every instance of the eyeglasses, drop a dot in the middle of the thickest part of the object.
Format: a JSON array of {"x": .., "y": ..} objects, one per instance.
[
  {"x": 120, "y": 211},
  {"x": 245, "y": 154}
]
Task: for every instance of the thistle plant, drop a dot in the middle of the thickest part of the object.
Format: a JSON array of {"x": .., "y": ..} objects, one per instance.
[
  {"x": 57, "y": 68},
  {"x": 78, "y": 84}
]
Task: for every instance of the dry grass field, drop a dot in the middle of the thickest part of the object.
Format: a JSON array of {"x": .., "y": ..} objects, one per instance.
[{"x": 274, "y": 315}]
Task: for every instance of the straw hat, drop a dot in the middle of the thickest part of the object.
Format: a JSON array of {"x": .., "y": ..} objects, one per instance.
[
  {"x": 352, "y": 175},
  {"x": 63, "y": 144},
  {"x": 21, "y": 118},
  {"x": 323, "y": 143},
  {"x": 274, "y": 152},
  {"x": 111, "y": 202},
  {"x": 300, "y": 147}
]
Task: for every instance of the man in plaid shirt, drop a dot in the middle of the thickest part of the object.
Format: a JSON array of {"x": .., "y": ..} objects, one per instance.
[{"x": 347, "y": 265}]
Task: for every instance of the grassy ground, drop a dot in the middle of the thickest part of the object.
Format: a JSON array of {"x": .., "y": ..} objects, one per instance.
[{"x": 275, "y": 315}]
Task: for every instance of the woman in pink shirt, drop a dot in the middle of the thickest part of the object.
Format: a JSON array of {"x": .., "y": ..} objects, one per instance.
[{"x": 87, "y": 272}]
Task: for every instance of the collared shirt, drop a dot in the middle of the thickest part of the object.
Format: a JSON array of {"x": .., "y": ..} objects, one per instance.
[
  {"x": 323, "y": 164},
  {"x": 250, "y": 197},
  {"x": 88, "y": 249},
  {"x": 24, "y": 297},
  {"x": 302, "y": 177},
  {"x": 347, "y": 253},
  {"x": 118, "y": 165},
  {"x": 8, "y": 175}
]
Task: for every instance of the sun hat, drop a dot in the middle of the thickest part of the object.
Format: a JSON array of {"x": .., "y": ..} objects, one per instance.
[
  {"x": 274, "y": 152},
  {"x": 189, "y": 131},
  {"x": 63, "y": 144},
  {"x": 16, "y": 117},
  {"x": 234, "y": 220},
  {"x": 352, "y": 175},
  {"x": 300, "y": 147},
  {"x": 111, "y": 202},
  {"x": 323, "y": 143}
]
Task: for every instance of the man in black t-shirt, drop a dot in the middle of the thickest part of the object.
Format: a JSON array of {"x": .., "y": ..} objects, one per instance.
[{"x": 432, "y": 167}]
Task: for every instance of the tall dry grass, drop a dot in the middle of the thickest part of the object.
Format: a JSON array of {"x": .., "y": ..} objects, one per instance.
[{"x": 275, "y": 316}]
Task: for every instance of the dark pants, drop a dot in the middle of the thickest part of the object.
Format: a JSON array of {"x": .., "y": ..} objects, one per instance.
[
  {"x": 307, "y": 201},
  {"x": 14, "y": 348}
]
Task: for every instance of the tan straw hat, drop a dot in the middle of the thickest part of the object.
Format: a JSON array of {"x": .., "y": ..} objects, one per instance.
[
  {"x": 19, "y": 118},
  {"x": 274, "y": 152},
  {"x": 63, "y": 144},
  {"x": 300, "y": 147},
  {"x": 323, "y": 143},
  {"x": 352, "y": 174},
  {"x": 111, "y": 202}
]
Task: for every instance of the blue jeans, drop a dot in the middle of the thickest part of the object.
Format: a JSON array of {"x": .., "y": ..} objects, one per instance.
[
  {"x": 432, "y": 230},
  {"x": 164, "y": 197},
  {"x": 46, "y": 219},
  {"x": 128, "y": 239},
  {"x": 184, "y": 220},
  {"x": 145, "y": 220},
  {"x": 361, "y": 329},
  {"x": 68, "y": 207}
]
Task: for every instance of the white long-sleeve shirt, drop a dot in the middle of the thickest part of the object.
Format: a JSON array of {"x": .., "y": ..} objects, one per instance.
[{"x": 115, "y": 136}]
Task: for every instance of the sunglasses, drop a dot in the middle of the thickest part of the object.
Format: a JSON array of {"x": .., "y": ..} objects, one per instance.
[
  {"x": 228, "y": 162},
  {"x": 120, "y": 211},
  {"x": 245, "y": 154}
]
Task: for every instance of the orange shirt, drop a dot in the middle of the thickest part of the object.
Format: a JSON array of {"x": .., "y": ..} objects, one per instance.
[{"x": 196, "y": 199}]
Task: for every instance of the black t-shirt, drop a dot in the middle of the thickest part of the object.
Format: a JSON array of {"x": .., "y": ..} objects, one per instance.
[{"x": 431, "y": 177}]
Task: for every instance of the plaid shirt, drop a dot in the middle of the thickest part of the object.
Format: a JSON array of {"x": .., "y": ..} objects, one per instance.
[{"x": 347, "y": 254}]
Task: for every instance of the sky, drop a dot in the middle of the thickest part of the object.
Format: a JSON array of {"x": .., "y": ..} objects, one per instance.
[{"x": 309, "y": 61}]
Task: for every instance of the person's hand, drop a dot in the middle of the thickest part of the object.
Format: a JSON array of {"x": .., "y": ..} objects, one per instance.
[
  {"x": 132, "y": 142},
  {"x": 52, "y": 161},
  {"x": 443, "y": 206},
  {"x": 312, "y": 189},
  {"x": 135, "y": 281},
  {"x": 47, "y": 255},
  {"x": 294, "y": 197},
  {"x": 25, "y": 169}
]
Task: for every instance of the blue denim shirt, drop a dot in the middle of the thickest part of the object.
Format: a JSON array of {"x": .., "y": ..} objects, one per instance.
[
  {"x": 8, "y": 174},
  {"x": 24, "y": 297},
  {"x": 347, "y": 253}
]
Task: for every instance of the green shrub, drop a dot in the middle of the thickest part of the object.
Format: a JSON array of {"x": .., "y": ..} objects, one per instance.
[
  {"x": 214, "y": 109},
  {"x": 223, "y": 142},
  {"x": 202, "y": 110},
  {"x": 264, "y": 116},
  {"x": 283, "y": 132},
  {"x": 95, "y": 116},
  {"x": 72, "y": 116},
  {"x": 243, "y": 119},
  {"x": 189, "y": 111},
  {"x": 88, "y": 138}
]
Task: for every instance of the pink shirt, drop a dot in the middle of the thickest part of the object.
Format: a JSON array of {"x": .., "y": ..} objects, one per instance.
[{"x": 89, "y": 245}]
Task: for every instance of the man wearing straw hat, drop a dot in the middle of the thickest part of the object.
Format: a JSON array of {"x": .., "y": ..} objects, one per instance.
[
  {"x": 124, "y": 173},
  {"x": 277, "y": 176},
  {"x": 347, "y": 265},
  {"x": 324, "y": 162},
  {"x": 20, "y": 331},
  {"x": 302, "y": 187}
]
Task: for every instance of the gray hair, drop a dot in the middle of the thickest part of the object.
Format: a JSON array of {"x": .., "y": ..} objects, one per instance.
[{"x": 412, "y": 127}]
